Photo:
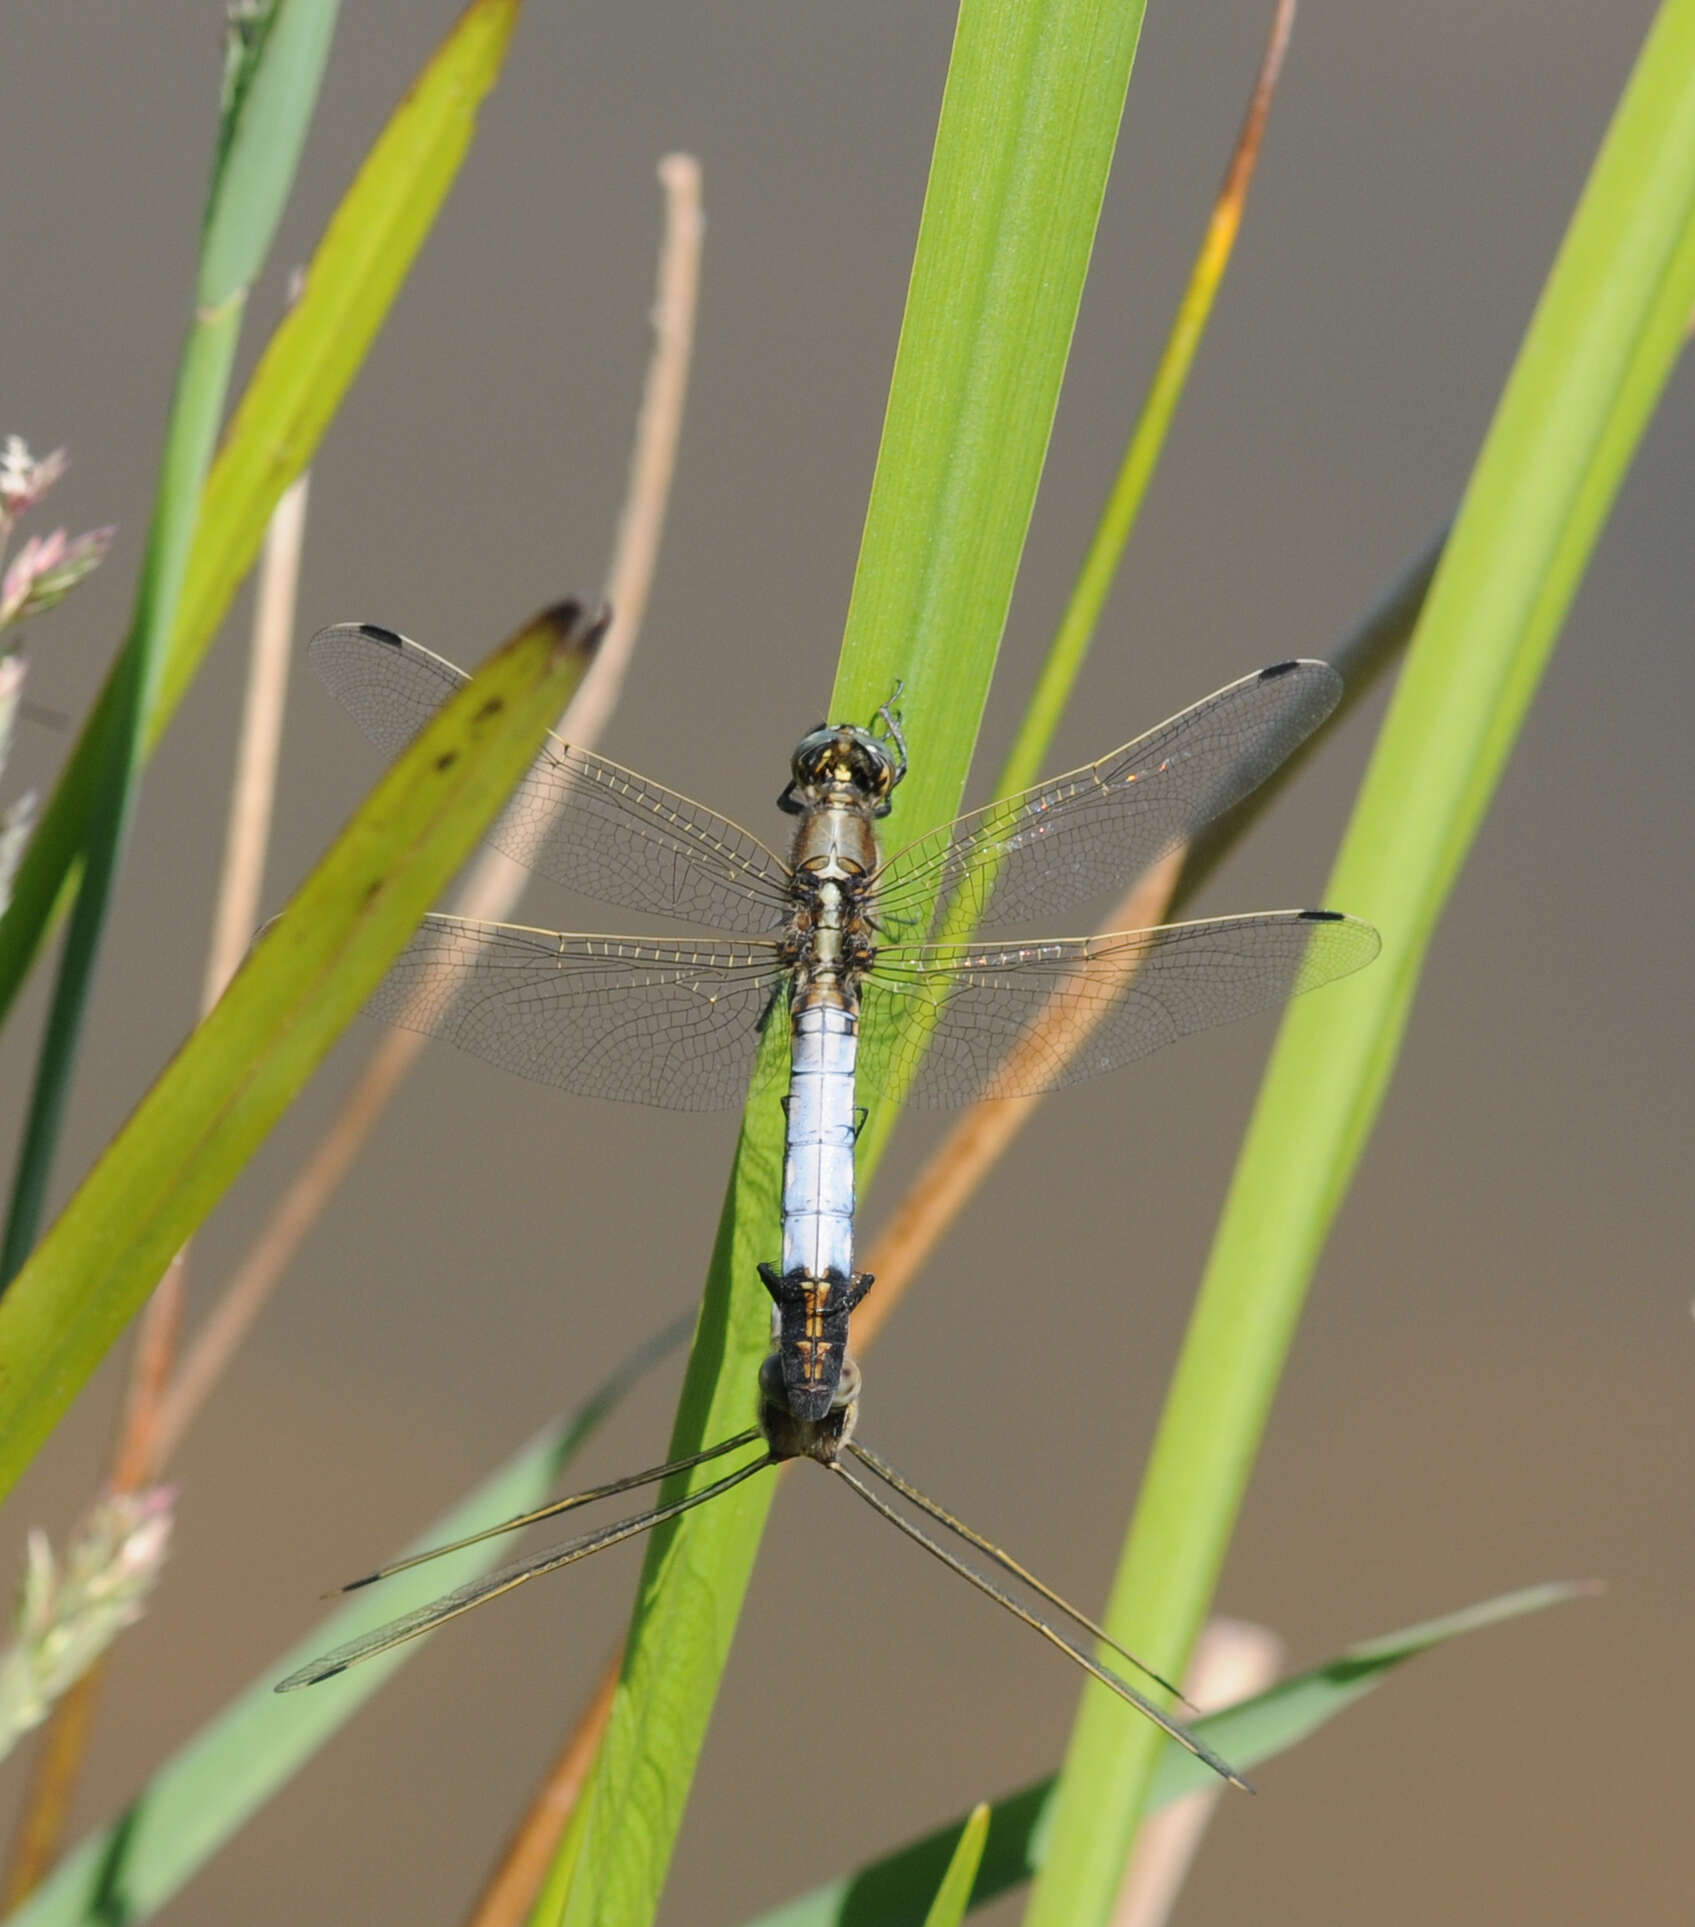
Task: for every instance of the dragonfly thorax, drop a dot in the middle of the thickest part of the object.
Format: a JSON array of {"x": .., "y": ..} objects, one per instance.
[{"x": 789, "y": 1437}]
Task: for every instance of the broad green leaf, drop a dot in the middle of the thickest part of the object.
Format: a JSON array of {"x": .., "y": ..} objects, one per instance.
[
  {"x": 894, "y": 1891},
  {"x": 295, "y": 391},
  {"x": 1605, "y": 335},
  {"x": 1034, "y": 94},
  {"x": 209, "y": 1788},
  {"x": 301, "y": 984}
]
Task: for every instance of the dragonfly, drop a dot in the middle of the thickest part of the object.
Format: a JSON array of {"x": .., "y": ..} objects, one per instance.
[
  {"x": 834, "y": 938},
  {"x": 823, "y": 934}
]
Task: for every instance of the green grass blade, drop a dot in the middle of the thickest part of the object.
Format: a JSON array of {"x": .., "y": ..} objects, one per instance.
[
  {"x": 1604, "y": 338},
  {"x": 1026, "y": 761},
  {"x": 300, "y": 986},
  {"x": 270, "y": 91},
  {"x": 953, "y": 1896},
  {"x": 211, "y": 1786},
  {"x": 893, "y": 1891},
  {"x": 275, "y": 87},
  {"x": 365, "y": 254},
  {"x": 1034, "y": 95}
]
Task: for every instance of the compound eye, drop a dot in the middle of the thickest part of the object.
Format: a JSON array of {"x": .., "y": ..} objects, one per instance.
[{"x": 812, "y": 759}]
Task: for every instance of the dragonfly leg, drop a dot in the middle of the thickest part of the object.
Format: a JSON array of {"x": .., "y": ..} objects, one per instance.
[
  {"x": 891, "y": 721},
  {"x": 771, "y": 1004}
]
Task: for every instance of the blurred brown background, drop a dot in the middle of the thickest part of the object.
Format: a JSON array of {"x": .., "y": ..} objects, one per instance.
[{"x": 1491, "y": 1386}]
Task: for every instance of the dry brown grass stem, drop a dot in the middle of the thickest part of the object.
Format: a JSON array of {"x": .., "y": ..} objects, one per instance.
[
  {"x": 659, "y": 428},
  {"x": 235, "y": 914},
  {"x": 242, "y": 878},
  {"x": 512, "y": 1888},
  {"x": 1249, "y": 141}
]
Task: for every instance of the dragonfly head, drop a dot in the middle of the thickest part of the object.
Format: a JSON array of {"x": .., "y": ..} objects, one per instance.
[
  {"x": 842, "y": 763},
  {"x": 792, "y": 1437}
]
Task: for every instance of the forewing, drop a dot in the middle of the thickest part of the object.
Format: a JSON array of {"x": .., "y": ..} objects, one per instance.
[
  {"x": 1099, "y": 827},
  {"x": 575, "y": 817},
  {"x": 955, "y": 1022},
  {"x": 672, "y": 1024}
]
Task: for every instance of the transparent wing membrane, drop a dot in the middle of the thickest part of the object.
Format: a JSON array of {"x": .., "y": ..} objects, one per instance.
[
  {"x": 575, "y": 817},
  {"x": 425, "y": 1619},
  {"x": 1003, "y": 1559},
  {"x": 644, "y": 1021},
  {"x": 1098, "y": 828},
  {"x": 555, "y": 1507},
  {"x": 1007, "y": 1020},
  {"x": 1190, "y": 1742},
  {"x": 390, "y": 686},
  {"x": 677, "y": 1024}
]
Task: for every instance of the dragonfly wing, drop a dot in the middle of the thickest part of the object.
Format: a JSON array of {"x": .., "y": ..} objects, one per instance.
[
  {"x": 575, "y": 817},
  {"x": 672, "y": 1024},
  {"x": 413, "y": 1625},
  {"x": 425, "y": 1619},
  {"x": 1098, "y": 828},
  {"x": 954, "y": 1022}
]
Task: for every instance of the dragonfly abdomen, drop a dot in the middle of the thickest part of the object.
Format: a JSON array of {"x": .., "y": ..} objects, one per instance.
[
  {"x": 816, "y": 1287},
  {"x": 818, "y": 1162}
]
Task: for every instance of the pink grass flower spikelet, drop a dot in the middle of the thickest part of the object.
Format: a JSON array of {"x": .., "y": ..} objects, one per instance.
[
  {"x": 43, "y": 572},
  {"x": 66, "y": 1619},
  {"x": 46, "y": 569},
  {"x": 24, "y": 479}
]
